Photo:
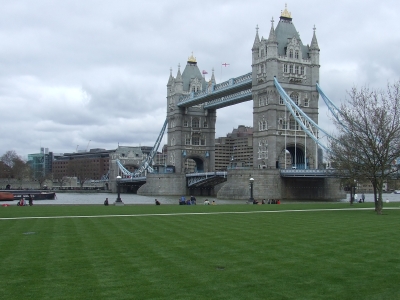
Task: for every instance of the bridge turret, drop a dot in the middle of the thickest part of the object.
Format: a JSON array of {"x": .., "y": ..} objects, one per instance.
[
  {"x": 272, "y": 44},
  {"x": 191, "y": 130},
  {"x": 295, "y": 66},
  {"x": 171, "y": 81},
  {"x": 179, "y": 81},
  {"x": 314, "y": 57},
  {"x": 255, "y": 55}
]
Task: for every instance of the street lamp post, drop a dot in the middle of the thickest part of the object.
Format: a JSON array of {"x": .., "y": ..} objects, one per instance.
[
  {"x": 251, "y": 189},
  {"x": 118, "y": 201}
]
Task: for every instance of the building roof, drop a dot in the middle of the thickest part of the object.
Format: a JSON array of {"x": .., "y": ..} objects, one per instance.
[
  {"x": 191, "y": 72},
  {"x": 286, "y": 30}
]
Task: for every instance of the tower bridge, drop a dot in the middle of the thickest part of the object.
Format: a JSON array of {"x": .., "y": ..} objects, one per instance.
[{"x": 283, "y": 85}]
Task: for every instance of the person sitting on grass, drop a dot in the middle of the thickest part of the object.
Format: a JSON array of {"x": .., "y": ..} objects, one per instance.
[
  {"x": 106, "y": 202},
  {"x": 157, "y": 202},
  {"x": 206, "y": 202}
]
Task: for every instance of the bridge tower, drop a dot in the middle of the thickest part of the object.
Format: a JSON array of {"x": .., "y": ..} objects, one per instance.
[
  {"x": 191, "y": 131},
  {"x": 278, "y": 141}
]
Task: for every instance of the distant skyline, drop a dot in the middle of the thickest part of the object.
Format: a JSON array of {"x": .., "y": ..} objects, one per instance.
[{"x": 79, "y": 71}]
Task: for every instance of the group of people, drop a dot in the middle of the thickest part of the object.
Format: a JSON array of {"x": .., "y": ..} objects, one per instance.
[
  {"x": 361, "y": 200},
  {"x": 22, "y": 201},
  {"x": 189, "y": 201},
  {"x": 270, "y": 201},
  {"x": 207, "y": 202}
]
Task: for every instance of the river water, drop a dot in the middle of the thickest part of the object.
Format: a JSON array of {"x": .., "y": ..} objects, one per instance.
[{"x": 98, "y": 199}]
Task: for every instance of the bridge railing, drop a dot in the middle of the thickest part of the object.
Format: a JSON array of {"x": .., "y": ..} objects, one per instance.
[
  {"x": 308, "y": 173},
  {"x": 219, "y": 87}
]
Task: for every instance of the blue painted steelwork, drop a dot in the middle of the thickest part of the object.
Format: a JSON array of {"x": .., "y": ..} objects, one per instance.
[
  {"x": 310, "y": 127},
  {"x": 223, "y": 89},
  {"x": 194, "y": 179},
  {"x": 332, "y": 107},
  {"x": 133, "y": 179},
  {"x": 229, "y": 100},
  {"x": 146, "y": 164},
  {"x": 308, "y": 173}
]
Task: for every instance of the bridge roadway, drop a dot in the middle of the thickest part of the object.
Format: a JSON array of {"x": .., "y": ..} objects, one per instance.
[
  {"x": 214, "y": 178},
  {"x": 232, "y": 91}
]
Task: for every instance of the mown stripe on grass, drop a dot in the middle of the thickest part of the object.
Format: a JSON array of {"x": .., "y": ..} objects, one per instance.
[{"x": 195, "y": 213}]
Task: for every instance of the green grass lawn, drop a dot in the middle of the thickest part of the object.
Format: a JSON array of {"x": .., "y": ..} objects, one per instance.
[{"x": 200, "y": 252}]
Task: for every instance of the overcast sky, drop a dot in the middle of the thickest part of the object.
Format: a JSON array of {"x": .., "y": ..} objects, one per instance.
[{"x": 91, "y": 74}]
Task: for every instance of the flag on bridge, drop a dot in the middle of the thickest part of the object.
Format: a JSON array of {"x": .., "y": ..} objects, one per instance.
[
  {"x": 225, "y": 64},
  {"x": 204, "y": 72}
]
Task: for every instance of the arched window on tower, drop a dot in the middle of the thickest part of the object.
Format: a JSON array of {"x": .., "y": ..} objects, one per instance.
[
  {"x": 285, "y": 68},
  {"x": 291, "y": 53},
  {"x": 295, "y": 97},
  {"x": 296, "y": 54},
  {"x": 195, "y": 123},
  {"x": 296, "y": 70},
  {"x": 195, "y": 140}
]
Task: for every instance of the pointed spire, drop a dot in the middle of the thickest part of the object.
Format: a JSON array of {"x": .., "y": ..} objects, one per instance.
[
  {"x": 314, "y": 42},
  {"x": 171, "y": 78},
  {"x": 272, "y": 36},
  {"x": 213, "y": 76},
  {"x": 179, "y": 75},
  {"x": 256, "y": 40}
]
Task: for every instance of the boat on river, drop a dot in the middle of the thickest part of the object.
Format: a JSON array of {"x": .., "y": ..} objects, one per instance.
[
  {"x": 396, "y": 192},
  {"x": 6, "y": 195}
]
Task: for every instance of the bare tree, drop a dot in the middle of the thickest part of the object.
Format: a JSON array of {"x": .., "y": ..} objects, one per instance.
[
  {"x": 368, "y": 139},
  {"x": 60, "y": 178},
  {"x": 41, "y": 178},
  {"x": 9, "y": 157},
  {"x": 5, "y": 170},
  {"x": 82, "y": 169},
  {"x": 20, "y": 170}
]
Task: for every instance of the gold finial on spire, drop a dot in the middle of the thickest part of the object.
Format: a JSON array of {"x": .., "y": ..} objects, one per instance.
[
  {"x": 192, "y": 58},
  {"x": 286, "y": 13}
]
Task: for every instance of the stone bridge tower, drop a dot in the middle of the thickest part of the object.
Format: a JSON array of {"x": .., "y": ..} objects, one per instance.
[
  {"x": 191, "y": 131},
  {"x": 278, "y": 140}
]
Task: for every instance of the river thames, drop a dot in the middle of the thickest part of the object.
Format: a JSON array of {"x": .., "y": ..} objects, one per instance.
[{"x": 130, "y": 199}]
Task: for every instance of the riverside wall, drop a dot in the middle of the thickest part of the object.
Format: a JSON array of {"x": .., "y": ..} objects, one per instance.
[
  {"x": 164, "y": 185},
  {"x": 268, "y": 184}
]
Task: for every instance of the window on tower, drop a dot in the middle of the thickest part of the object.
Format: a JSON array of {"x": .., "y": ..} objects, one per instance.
[
  {"x": 291, "y": 69},
  {"x": 291, "y": 53},
  {"x": 296, "y": 54},
  {"x": 285, "y": 68},
  {"x": 196, "y": 141},
  {"x": 195, "y": 123},
  {"x": 295, "y": 98}
]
